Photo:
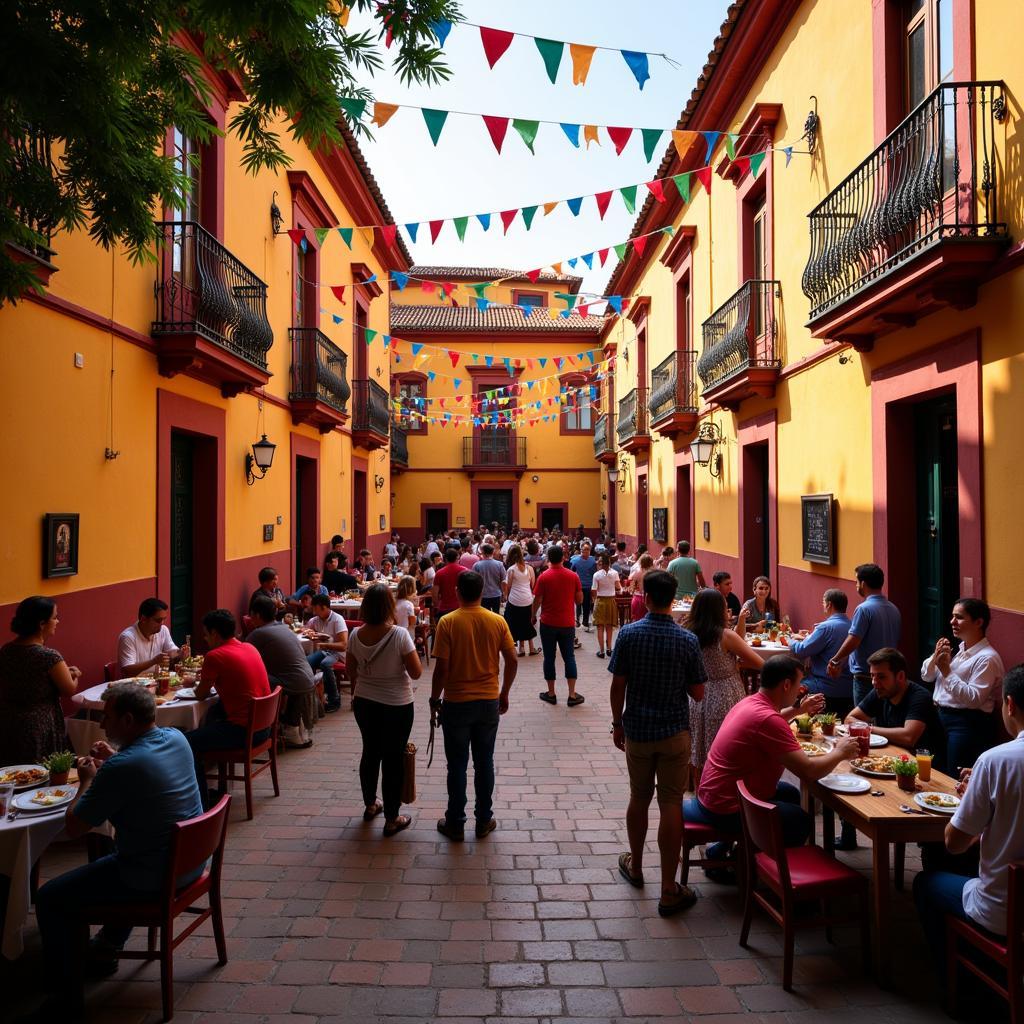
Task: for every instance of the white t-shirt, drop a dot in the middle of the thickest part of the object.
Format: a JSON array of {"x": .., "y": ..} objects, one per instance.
[
  {"x": 604, "y": 582},
  {"x": 431, "y": 548},
  {"x": 519, "y": 581},
  {"x": 991, "y": 808},
  {"x": 404, "y": 610},
  {"x": 391, "y": 551},
  {"x": 133, "y": 648},
  {"x": 428, "y": 576},
  {"x": 381, "y": 674},
  {"x": 506, "y": 547},
  {"x": 332, "y": 625}
]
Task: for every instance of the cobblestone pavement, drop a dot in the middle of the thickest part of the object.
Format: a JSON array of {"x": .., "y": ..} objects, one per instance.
[{"x": 328, "y": 921}]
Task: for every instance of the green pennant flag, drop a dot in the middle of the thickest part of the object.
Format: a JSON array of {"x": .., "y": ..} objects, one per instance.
[
  {"x": 620, "y": 250},
  {"x": 668, "y": 230},
  {"x": 480, "y": 288},
  {"x": 435, "y": 120},
  {"x": 651, "y": 138},
  {"x": 528, "y": 212},
  {"x": 527, "y": 131},
  {"x": 321, "y": 234},
  {"x": 756, "y": 159},
  {"x": 370, "y": 335},
  {"x": 629, "y": 197},
  {"x": 682, "y": 182},
  {"x": 551, "y": 54},
  {"x": 353, "y": 108},
  {"x": 346, "y": 236},
  {"x": 730, "y": 144},
  {"x": 460, "y": 227}
]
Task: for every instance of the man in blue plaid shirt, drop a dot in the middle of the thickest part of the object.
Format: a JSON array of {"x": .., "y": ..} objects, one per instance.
[{"x": 656, "y": 667}]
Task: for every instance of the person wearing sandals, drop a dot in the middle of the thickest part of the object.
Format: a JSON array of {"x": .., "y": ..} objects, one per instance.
[
  {"x": 656, "y": 668},
  {"x": 517, "y": 590},
  {"x": 382, "y": 662},
  {"x": 605, "y": 585}
]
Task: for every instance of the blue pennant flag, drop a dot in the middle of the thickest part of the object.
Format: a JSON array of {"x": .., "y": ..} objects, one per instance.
[
  {"x": 386, "y": 340},
  {"x": 370, "y": 279},
  {"x": 482, "y": 304},
  {"x": 615, "y": 301},
  {"x": 710, "y": 138},
  {"x": 565, "y": 314},
  {"x": 441, "y": 28},
  {"x": 489, "y": 360},
  {"x": 590, "y": 356},
  {"x": 485, "y": 220},
  {"x": 573, "y": 262},
  {"x": 543, "y": 362},
  {"x": 574, "y": 205},
  {"x": 589, "y": 260},
  {"x": 337, "y": 319},
  {"x": 527, "y": 309},
  {"x": 400, "y": 279},
  {"x": 572, "y": 133},
  {"x": 431, "y": 376},
  {"x": 788, "y": 150},
  {"x": 416, "y": 346},
  {"x": 637, "y": 64},
  {"x": 412, "y": 229},
  {"x": 529, "y": 385},
  {"x": 458, "y": 381},
  {"x": 508, "y": 365}
]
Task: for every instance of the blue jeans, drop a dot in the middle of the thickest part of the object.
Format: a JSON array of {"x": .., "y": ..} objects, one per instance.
[
  {"x": 324, "y": 661},
  {"x": 492, "y": 604},
  {"x": 562, "y": 637},
  {"x": 216, "y": 733},
  {"x": 938, "y": 893},
  {"x": 969, "y": 733},
  {"x": 796, "y": 823},
  {"x": 470, "y": 725}
]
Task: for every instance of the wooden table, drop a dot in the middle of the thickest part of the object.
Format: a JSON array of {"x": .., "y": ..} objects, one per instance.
[{"x": 882, "y": 821}]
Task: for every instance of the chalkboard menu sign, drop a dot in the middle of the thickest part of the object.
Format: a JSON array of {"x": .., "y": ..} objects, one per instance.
[
  {"x": 818, "y": 528},
  {"x": 660, "y": 522}
]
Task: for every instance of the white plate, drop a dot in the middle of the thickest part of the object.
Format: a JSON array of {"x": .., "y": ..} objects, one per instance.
[
  {"x": 189, "y": 693},
  {"x": 878, "y": 741},
  {"x": 920, "y": 801},
  {"x": 25, "y": 802},
  {"x": 24, "y": 768},
  {"x": 842, "y": 782}
]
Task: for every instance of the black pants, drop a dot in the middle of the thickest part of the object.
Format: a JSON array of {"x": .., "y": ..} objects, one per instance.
[
  {"x": 492, "y": 604},
  {"x": 584, "y": 609},
  {"x": 385, "y": 730}
]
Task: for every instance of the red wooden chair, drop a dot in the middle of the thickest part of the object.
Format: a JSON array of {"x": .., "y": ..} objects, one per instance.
[
  {"x": 248, "y": 625},
  {"x": 264, "y": 713},
  {"x": 1008, "y": 953},
  {"x": 193, "y": 843},
  {"x": 795, "y": 875},
  {"x": 111, "y": 672},
  {"x": 697, "y": 834}
]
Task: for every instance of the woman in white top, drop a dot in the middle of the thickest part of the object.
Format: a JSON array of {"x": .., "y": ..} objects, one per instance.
[
  {"x": 405, "y": 605},
  {"x": 518, "y": 593},
  {"x": 382, "y": 662},
  {"x": 606, "y": 584}
]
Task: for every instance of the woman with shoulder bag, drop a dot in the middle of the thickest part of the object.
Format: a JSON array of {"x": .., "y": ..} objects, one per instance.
[{"x": 382, "y": 662}]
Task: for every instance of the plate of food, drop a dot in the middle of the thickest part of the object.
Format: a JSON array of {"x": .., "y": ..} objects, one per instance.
[
  {"x": 844, "y": 782},
  {"x": 939, "y": 803},
  {"x": 46, "y": 799},
  {"x": 22, "y": 776},
  {"x": 876, "y": 767},
  {"x": 812, "y": 749}
]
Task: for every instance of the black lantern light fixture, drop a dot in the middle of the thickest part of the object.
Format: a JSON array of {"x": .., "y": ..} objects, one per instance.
[
  {"x": 276, "y": 220},
  {"x": 261, "y": 457},
  {"x": 378, "y": 482},
  {"x": 704, "y": 447},
  {"x": 617, "y": 474}
]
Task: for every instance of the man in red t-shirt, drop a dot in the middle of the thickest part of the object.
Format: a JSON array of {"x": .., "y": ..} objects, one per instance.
[
  {"x": 755, "y": 745},
  {"x": 237, "y": 672},
  {"x": 443, "y": 595},
  {"x": 557, "y": 594}
]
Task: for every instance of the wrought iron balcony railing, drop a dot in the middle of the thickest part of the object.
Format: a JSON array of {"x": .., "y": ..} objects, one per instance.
[
  {"x": 741, "y": 334},
  {"x": 674, "y": 385},
  {"x": 370, "y": 413},
  {"x": 32, "y": 160},
  {"x": 205, "y": 290},
  {"x": 632, "y": 416},
  {"x": 319, "y": 369},
  {"x": 934, "y": 177},
  {"x": 399, "y": 446},
  {"x": 602, "y": 436},
  {"x": 493, "y": 449}
]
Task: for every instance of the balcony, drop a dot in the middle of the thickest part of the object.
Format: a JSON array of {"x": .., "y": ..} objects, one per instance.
[
  {"x": 32, "y": 160},
  {"x": 319, "y": 387},
  {"x": 371, "y": 418},
  {"x": 916, "y": 226},
  {"x": 604, "y": 449},
  {"x": 673, "y": 401},
  {"x": 740, "y": 358},
  {"x": 631, "y": 428},
  {"x": 399, "y": 449},
  {"x": 494, "y": 449},
  {"x": 211, "y": 312}
]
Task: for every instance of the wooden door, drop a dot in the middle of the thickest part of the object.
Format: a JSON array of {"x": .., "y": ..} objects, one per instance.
[{"x": 182, "y": 535}]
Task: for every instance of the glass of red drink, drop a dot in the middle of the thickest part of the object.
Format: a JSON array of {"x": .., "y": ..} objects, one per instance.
[{"x": 861, "y": 732}]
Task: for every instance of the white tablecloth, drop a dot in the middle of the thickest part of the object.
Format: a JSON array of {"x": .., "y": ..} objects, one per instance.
[{"x": 348, "y": 607}]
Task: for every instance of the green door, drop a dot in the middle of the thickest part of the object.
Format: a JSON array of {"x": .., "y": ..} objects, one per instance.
[
  {"x": 182, "y": 514},
  {"x": 495, "y": 507},
  {"x": 938, "y": 534}
]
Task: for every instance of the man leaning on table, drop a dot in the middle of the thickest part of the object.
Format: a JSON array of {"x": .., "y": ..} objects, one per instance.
[
  {"x": 820, "y": 647},
  {"x": 146, "y": 645}
]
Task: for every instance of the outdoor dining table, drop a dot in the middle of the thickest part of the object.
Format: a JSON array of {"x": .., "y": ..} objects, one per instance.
[
  {"x": 882, "y": 821},
  {"x": 348, "y": 607}
]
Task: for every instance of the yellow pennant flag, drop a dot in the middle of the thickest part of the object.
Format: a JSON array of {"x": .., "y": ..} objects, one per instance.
[
  {"x": 581, "y": 58},
  {"x": 548, "y": 207},
  {"x": 682, "y": 139},
  {"x": 552, "y": 313},
  {"x": 556, "y": 267},
  {"x": 367, "y": 233},
  {"x": 590, "y": 134},
  {"x": 383, "y": 112}
]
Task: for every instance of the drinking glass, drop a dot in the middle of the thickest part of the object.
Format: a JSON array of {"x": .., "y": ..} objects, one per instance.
[
  {"x": 6, "y": 796},
  {"x": 924, "y": 764},
  {"x": 861, "y": 732}
]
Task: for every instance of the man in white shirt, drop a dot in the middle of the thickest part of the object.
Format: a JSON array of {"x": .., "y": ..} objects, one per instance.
[
  {"x": 993, "y": 794},
  {"x": 967, "y": 685},
  {"x": 431, "y": 547},
  {"x": 146, "y": 646},
  {"x": 328, "y": 652}
]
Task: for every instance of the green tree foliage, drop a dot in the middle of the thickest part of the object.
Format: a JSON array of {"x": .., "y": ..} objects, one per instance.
[{"x": 90, "y": 88}]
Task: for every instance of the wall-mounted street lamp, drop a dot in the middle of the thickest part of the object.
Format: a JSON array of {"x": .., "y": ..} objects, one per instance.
[
  {"x": 704, "y": 447},
  {"x": 617, "y": 474},
  {"x": 378, "y": 483},
  {"x": 261, "y": 457}
]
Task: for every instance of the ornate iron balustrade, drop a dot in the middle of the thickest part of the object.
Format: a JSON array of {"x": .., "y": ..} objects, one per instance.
[
  {"x": 674, "y": 385},
  {"x": 203, "y": 289},
  {"x": 32, "y": 160},
  {"x": 493, "y": 449},
  {"x": 932, "y": 178},
  {"x": 632, "y": 416},
  {"x": 319, "y": 369},
  {"x": 399, "y": 446},
  {"x": 602, "y": 436},
  {"x": 370, "y": 412},
  {"x": 741, "y": 334}
]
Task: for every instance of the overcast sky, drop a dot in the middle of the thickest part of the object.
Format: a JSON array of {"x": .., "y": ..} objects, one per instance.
[{"x": 464, "y": 174}]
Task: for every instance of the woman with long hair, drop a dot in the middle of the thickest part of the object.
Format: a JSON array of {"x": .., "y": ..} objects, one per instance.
[
  {"x": 517, "y": 590},
  {"x": 762, "y": 609},
  {"x": 382, "y": 662},
  {"x": 638, "y": 607},
  {"x": 725, "y": 653}
]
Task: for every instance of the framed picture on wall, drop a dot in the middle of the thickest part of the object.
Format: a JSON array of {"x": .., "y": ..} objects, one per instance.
[
  {"x": 659, "y": 522},
  {"x": 60, "y": 544},
  {"x": 383, "y": 522}
]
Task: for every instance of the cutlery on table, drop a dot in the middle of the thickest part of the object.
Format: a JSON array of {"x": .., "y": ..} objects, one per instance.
[{"x": 910, "y": 810}]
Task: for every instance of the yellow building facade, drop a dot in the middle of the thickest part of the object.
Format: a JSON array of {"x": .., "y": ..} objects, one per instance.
[
  {"x": 134, "y": 394},
  {"x": 838, "y": 317}
]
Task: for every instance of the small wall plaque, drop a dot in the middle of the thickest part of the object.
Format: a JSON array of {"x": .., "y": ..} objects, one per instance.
[
  {"x": 268, "y": 532},
  {"x": 707, "y": 529}
]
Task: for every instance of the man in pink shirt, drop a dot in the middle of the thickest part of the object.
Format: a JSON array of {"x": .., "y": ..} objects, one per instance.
[
  {"x": 467, "y": 559},
  {"x": 755, "y": 745},
  {"x": 557, "y": 594}
]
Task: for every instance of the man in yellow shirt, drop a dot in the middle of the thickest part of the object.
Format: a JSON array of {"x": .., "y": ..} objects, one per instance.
[{"x": 466, "y": 648}]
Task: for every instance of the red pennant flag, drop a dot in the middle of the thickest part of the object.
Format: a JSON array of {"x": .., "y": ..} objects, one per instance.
[
  {"x": 603, "y": 199},
  {"x": 339, "y": 292},
  {"x": 497, "y": 126},
  {"x": 602, "y": 255},
  {"x": 558, "y": 362},
  {"x": 297, "y": 235},
  {"x": 442, "y": 400},
  {"x": 584, "y": 310},
  {"x": 389, "y": 231},
  {"x": 447, "y": 287},
  {"x": 529, "y": 364},
  {"x": 454, "y": 357},
  {"x": 533, "y": 275},
  {"x": 435, "y": 229},
  {"x": 619, "y": 137},
  {"x": 639, "y": 244},
  {"x": 743, "y": 163},
  {"x": 507, "y": 216},
  {"x": 656, "y": 190},
  {"x": 496, "y": 42},
  {"x": 394, "y": 343},
  {"x": 703, "y": 175},
  {"x": 427, "y": 286}
]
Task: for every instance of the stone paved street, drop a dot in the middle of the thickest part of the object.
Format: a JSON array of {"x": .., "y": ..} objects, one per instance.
[{"x": 328, "y": 921}]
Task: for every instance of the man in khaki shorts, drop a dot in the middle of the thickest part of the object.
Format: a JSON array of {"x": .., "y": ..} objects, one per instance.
[{"x": 656, "y": 667}]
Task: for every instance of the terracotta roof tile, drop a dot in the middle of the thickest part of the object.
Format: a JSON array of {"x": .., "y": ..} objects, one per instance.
[
  {"x": 492, "y": 274},
  {"x": 499, "y": 319}
]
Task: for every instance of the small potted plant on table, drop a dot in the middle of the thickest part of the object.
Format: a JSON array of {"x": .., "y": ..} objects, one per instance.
[
  {"x": 827, "y": 722},
  {"x": 59, "y": 766},
  {"x": 906, "y": 772}
]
